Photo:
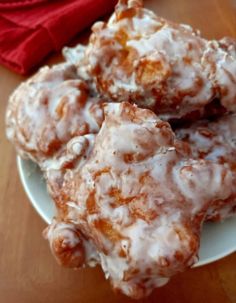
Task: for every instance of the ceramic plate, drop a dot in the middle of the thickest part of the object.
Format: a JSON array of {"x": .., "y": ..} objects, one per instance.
[{"x": 218, "y": 239}]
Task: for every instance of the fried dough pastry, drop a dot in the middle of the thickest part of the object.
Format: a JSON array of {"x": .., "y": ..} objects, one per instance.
[
  {"x": 49, "y": 109},
  {"x": 167, "y": 67},
  {"x": 130, "y": 194},
  {"x": 70, "y": 247},
  {"x": 139, "y": 201},
  {"x": 216, "y": 142},
  {"x": 71, "y": 157}
]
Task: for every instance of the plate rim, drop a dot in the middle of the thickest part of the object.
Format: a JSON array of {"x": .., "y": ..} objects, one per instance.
[{"x": 31, "y": 198}]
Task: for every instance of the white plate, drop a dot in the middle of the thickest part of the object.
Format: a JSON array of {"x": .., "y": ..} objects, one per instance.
[{"x": 218, "y": 239}]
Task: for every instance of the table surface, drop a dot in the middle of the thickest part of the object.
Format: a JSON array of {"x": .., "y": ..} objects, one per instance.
[{"x": 28, "y": 273}]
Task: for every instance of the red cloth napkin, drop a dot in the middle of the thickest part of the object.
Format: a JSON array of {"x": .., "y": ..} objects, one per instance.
[{"x": 31, "y": 29}]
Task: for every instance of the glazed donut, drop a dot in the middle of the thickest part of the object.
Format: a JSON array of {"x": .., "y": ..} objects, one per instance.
[
  {"x": 167, "y": 67},
  {"x": 216, "y": 142},
  {"x": 141, "y": 199},
  {"x": 49, "y": 109}
]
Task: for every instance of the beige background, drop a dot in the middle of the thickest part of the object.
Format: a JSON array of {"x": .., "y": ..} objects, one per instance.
[{"x": 28, "y": 272}]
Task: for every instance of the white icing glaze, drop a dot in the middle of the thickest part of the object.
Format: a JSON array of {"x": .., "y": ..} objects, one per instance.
[
  {"x": 139, "y": 57},
  {"x": 139, "y": 199},
  {"x": 215, "y": 142},
  {"x": 129, "y": 195},
  {"x": 49, "y": 109},
  {"x": 221, "y": 65}
]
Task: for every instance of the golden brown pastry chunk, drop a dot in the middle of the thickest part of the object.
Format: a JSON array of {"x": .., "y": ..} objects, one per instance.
[
  {"x": 140, "y": 200},
  {"x": 49, "y": 109},
  {"x": 69, "y": 246},
  {"x": 216, "y": 142},
  {"x": 139, "y": 57},
  {"x": 71, "y": 157}
]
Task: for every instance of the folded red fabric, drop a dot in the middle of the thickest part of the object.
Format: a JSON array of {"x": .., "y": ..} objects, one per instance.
[
  {"x": 30, "y": 31},
  {"x": 12, "y": 4}
]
